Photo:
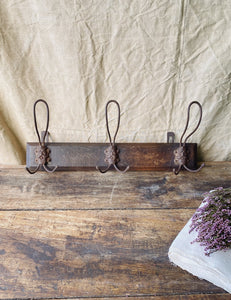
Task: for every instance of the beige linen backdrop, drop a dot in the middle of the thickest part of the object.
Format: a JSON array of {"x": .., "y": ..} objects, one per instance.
[{"x": 153, "y": 56}]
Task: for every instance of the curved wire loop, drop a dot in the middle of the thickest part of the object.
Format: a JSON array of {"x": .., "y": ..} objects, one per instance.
[
  {"x": 42, "y": 151},
  {"x": 180, "y": 154},
  {"x": 112, "y": 152},
  {"x": 188, "y": 117}
]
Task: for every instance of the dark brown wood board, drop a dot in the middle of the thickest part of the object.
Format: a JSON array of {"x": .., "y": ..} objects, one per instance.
[
  {"x": 139, "y": 156},
  {"x": 86, "y": 235}
]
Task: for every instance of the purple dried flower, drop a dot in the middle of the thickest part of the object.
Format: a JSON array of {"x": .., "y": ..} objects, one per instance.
[{"x": 212, "y": 221}]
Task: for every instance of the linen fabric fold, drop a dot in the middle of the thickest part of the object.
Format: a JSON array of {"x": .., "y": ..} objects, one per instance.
[
  {"x": 153, "y": 57},
  {"x": 191, "y": 257}
]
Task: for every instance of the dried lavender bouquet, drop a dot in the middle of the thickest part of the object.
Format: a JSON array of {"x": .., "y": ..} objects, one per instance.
[{"x": 212, "y": 221}]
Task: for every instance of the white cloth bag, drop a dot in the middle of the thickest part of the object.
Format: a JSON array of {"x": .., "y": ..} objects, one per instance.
[{"x": 215, "y": 268}]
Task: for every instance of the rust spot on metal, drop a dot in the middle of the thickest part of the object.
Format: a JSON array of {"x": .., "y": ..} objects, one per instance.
[
  {"x": 42, "y": 151},
  {"x": 112, "y": 152}
]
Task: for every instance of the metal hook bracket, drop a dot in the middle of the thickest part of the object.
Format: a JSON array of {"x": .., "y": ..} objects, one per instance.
[
  {"x": 42, "y": 155},
  {"x": 170, "y": 137},
  {"x": 181, "y": 154},
  {"x": 139, "y": 156},
  {"x": 107, "y": 156},
  {"x": 112, "y": 152},
  {"x": 41, "y": 152},
  {"x": 181, "y": 160}
]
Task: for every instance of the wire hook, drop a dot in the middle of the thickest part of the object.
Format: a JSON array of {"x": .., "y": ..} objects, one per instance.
[
  {"x": 42, "y": 151},
  {"x": 180, "y": 154},
  {"x": 186, "y": 126},
  {"x": 112, "y": 152}
]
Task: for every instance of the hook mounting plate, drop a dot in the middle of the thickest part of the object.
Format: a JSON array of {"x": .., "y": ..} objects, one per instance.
[
  {"x": 170, "y": 137},
  {"x": 139, "y": 156}
]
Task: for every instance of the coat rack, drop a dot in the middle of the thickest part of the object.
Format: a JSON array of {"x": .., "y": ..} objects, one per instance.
[{"x": 47, "y": 156}]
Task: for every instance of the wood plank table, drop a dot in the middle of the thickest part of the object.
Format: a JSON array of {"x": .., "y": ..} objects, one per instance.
[{"x": 80, "y": 235}]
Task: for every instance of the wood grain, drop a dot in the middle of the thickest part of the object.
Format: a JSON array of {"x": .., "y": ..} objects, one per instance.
[
  {"x": 139, "y": 156},
  {"x": 84, "y": 235},
  {"x": 92, "y": 254},
  {"x": 92, "y": 190},
  {"x": 171, "y": 297}
]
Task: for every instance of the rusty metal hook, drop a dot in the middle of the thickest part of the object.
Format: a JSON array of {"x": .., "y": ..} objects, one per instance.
[
  {"x": 186, "y": 126},
  {"x": 112, "y": 152},
  {"x": 42, "y": 151},
  {"x": 180, "y": 154}
]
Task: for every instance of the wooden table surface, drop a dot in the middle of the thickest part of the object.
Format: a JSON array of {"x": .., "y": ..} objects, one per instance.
[{"x": 87, "y": 235}]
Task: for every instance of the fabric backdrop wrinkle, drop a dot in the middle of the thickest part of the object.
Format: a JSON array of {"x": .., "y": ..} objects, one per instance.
[{"x": 153, "y": 57}]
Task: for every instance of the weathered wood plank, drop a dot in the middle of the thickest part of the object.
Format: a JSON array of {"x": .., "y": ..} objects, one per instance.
[
  {"x": 92, "y": 254},
  {"x": 92, "y": 190},
  {"x": 171, "y": 297},
  {"x": 139, "y": 156}
]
